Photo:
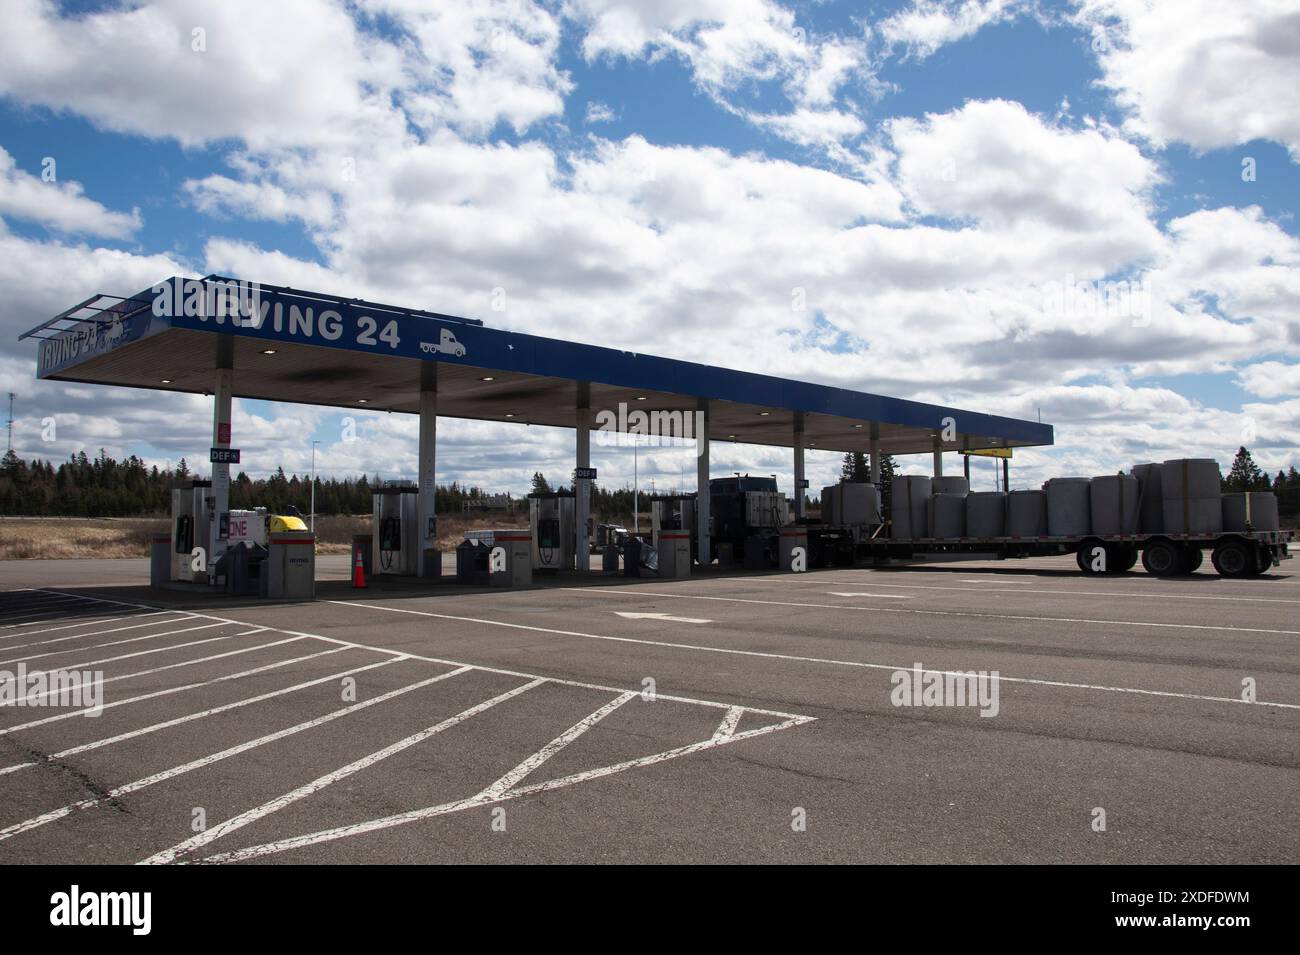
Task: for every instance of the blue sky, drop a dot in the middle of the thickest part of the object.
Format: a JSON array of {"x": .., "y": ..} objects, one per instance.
[{"x": 663, "y": 176}]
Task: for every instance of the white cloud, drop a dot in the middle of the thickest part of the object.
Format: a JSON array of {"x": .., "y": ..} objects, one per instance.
[
  {"x": 598, "y": 112},
  {"x": 60, "y": 206},
  {"x": 475, "y": 63},
  {"x": 1270, "y": 379},
  {"x": 1203, "y": 72},
  {"x": 938, "y": 283},
  {"x": 996, "y": 163},
  {"x": 221, "y": 195},
  {"x": 808, "y": 127},
  {"x": 260, "y": 72},
  {"x": 927, "y": 25}
]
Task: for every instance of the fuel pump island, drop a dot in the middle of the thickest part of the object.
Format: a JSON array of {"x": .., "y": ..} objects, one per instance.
[{"x": 229, "y": 338}]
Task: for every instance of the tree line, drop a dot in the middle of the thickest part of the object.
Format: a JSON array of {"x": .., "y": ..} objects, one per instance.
[{"x": 105, "y": 487}]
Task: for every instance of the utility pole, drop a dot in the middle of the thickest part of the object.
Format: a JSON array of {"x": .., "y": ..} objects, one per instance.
[
  {"x": 11, "y": 422},
  {"x": 313, "y": 486}
]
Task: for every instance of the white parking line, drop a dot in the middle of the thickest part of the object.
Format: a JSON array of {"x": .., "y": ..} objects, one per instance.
[
  {"x": 190, "y": 663},
  {"x": 727, "y": 728},
  {"x": 48, "y": 817},
  {"x": 418, "y": 815},
  {"x": 87, "y": 623},
  {"x": 171, "y": 690},
  {"x": 1031, "y": 618},
  {"x": 93, "y": 633},
  {"x": 316, "y": 785},
  {"x": 806, "y": 659},
  {"x": 223, "y": 708},
  {"x": 146, "y": 653},
  {"x": 111, "y": 643},
  {"x": 1062, "y": 593},
  {"x": 508, "y": 782}
]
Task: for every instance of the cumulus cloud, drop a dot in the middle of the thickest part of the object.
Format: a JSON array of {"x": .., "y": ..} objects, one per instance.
[
  {"x": 1202, "y": 72},
  {"x": 1270, "y": 379},
  {"x": 927, "y": 25},
  {"x": 200, "y": 72},
  {"x": 942, "y": 257},
  {"x": 59, "y": 206}
]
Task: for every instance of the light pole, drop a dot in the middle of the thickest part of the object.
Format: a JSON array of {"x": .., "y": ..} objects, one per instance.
[{"x": 313, "y": 486}]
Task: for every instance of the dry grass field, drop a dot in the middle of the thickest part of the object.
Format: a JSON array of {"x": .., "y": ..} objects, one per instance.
[{"x": 63, "y": 537}]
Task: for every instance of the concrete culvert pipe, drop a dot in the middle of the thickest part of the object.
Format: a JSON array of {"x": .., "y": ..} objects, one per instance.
[
  {"x": 948, "y": 515},
  {"x": 1027, "y": 514},
  {"x": 1114, "y": 503},
  {"x": 1250, "y": 510},
  {"x": 986, "y": 513},
  {"x": 1069, "y": 508},
  {"x": 1191, "y": 489},
  {"x": 909, "y": 499}
]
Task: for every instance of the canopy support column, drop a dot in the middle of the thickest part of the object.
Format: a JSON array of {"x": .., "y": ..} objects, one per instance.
[
  {"x": 704, "y": 552},
  {"x": 430, "y": 559},
  {"x": 582, "y": 485},
  {"x": 799, "y": 490},
  {"x": 221, "y": 402}
]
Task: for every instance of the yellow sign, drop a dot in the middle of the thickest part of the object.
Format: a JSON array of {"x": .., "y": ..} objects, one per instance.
[{"x": 990, "y": 452}]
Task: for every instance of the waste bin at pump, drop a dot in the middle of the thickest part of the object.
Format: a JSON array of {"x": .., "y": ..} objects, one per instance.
[
  {"x": 794, "y": 549},
  {"x": 674, "y": 553},
  {"x": 510, "y": 559},
  {"x": 290, "y": 566}
]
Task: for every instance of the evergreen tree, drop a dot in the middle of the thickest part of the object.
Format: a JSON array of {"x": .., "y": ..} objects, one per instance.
[
  {"x": 540, "y": 486},
  {"x": 855, "y": 467},
  {"x": 1245, "y": 474}
]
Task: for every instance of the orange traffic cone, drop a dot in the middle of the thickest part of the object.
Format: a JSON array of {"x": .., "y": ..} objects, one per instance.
[{"x": 359, "y": 571}]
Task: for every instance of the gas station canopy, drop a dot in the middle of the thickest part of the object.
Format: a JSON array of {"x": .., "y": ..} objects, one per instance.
[{"x": 291, "y": 345}]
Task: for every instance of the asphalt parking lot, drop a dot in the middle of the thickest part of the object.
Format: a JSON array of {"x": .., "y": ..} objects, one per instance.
[{"x": 716, "y": 719}]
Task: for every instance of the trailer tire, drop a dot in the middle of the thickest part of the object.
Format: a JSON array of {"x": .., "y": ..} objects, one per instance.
[
  {"x": 1121, "y": 558},
  {"x": 1262, "y": 564},
  {"x": 1085, "y": 555},
  {"x": 1234, "y": 559},
  {"x": 1193, "y": 557},
  {"x": 1160, "y": 558}
]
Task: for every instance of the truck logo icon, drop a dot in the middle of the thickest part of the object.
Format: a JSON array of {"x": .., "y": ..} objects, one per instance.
[{"x": 446, "y": 345}]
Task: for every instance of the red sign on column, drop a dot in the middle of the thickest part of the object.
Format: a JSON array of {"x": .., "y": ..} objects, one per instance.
[{"x": 223, "y": 432}]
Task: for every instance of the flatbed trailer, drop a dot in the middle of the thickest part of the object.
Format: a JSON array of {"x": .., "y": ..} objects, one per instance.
[{"x": 1233, "y": 553}]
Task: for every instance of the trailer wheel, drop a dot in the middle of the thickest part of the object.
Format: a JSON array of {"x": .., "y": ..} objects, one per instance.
[
  {"x": 1086, "y": 554},
  {"x": 1121, "y": 558},
  {"x": 1233, "y": 559},
  {"x": 1193, "y": 557},
  {"x": 1161, "y": 559}
]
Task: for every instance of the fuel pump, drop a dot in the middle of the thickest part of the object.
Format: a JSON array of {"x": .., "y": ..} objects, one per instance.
[{"x": 396, "y": 530}]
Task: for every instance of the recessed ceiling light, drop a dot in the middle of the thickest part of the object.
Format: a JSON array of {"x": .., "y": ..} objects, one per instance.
[
  {"x": 166, "y": 381},
  {"x": 764, "y": 414},
  {"x": 268, "y": 351},
  {"x": 857, "y": 426},
  {"x": 510, "y": 414},
  {"x": 487, "y": 378},
  {"x": 362, "y": 401},
  {"x": 731, "y": 437},
  {"x": 640, "y": 397}
]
